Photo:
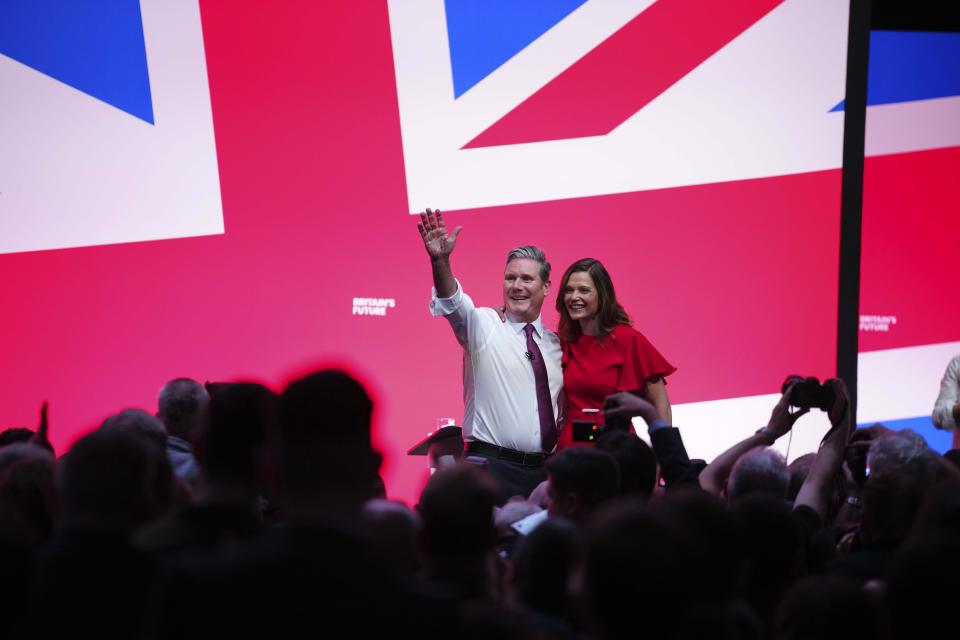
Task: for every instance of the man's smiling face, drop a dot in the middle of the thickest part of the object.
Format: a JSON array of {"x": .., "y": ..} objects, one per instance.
[{"x": 523, "y": 290}]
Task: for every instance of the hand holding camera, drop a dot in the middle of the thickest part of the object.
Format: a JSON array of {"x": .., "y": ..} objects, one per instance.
[
  {"x": 620, "y": 407},
  {"x": 806, "y": 394},
  {"x": 782, "y": 419}
]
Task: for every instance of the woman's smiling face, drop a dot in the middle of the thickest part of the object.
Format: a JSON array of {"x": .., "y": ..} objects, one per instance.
[{"x": 580, "y": 296}]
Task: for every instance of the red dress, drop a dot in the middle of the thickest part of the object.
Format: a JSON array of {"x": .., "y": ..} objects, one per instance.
[{"x": 593, "y": 368}]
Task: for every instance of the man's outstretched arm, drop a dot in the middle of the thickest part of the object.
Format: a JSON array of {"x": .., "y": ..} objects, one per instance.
[{"x": 439, "y": 245}]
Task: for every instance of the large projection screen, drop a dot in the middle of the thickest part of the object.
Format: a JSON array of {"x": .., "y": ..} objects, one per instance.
[
  {"x": 223, "y": 190},
  {"x": 909, "y": 328}
]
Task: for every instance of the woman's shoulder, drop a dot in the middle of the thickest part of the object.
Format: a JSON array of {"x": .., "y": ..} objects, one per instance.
[
  {"x": 626, "y": 332},
  {"x": 627, "y": 337}
]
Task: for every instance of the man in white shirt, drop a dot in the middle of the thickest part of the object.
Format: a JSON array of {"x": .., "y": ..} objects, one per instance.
[
  {"x": 946, "y": 411},
  {"x": 512, "y": 376}
]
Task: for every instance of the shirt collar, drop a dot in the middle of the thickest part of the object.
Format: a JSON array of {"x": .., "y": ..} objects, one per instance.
[{"x": 517, "y": 327}]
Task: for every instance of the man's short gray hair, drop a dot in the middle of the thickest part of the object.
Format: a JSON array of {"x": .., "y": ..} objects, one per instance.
[
  {"x": 905, "y": 451},
  {"x": 181, "y": 404},
  {"x": 530, "y": 252},
  {"x": 760, "y": 470}
]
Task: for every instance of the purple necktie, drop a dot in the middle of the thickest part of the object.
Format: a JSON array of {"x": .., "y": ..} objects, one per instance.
[{"x": 548, "y": 426}]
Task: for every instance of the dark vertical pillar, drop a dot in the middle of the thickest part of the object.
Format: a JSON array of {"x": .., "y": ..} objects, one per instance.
[{"x": 848, "y": 316}]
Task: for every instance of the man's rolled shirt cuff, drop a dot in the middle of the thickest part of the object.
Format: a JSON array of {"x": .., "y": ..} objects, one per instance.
[{"x": 445, "y": 306}]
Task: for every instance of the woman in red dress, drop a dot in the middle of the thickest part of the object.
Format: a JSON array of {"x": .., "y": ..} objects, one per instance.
[{"x": 602, "y": 352}]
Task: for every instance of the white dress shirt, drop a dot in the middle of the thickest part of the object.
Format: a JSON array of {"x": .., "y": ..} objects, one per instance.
[
  {"x": 949, "y": 396},
  {"x": 499, "y": 389}
]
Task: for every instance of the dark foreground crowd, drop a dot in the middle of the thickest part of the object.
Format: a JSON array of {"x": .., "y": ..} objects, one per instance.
[{"x": 236, "y": 512}]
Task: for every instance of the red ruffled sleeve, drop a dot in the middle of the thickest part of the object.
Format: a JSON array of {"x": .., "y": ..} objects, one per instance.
[{"x": 641, "y": 362}]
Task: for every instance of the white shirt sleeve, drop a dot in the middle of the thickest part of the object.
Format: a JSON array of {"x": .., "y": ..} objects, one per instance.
[
  {"x": 469, "y": 324},
  {"x": 949, "y": 396}
]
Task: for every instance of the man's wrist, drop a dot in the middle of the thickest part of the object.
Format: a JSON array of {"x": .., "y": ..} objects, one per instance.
[
  {"x": 656, "y": 424},
  {"x": 767, "y": 435}
]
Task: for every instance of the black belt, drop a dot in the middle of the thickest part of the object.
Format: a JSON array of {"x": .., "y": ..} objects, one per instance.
[{"x": 502, "y": 453}]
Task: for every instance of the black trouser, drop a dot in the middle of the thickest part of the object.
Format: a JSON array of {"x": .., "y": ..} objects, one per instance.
[{"x": 518, "y": 474}]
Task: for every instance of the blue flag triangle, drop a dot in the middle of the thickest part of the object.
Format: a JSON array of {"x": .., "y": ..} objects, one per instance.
[
  {"x": 95, "y": 47},
  {"x": 483, "y": 34},
  {"x": 911, "y": 65}
]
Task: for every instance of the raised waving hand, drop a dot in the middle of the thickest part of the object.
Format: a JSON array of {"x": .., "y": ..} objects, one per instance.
[{"x": 437, "y": 241}]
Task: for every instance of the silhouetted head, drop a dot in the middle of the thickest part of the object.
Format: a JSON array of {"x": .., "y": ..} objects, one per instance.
[
  {"x": 772, "y": 550},
  {"x": 905, "y": 451},
  {"x": 890, "y": 499},
  {"x": 394, "y": 530},
  {"x": 921, "y": 586},
  {"x": 635, "y": 460},
  {"x": 323, "y": 440},
  {"x": 14, "y": 435},
  {"x": 828, "y": 608},
  {"x": 140, "y": 424},
  {"x": 27, "y": 485},
  {"x": 457, "y": 511},
  {"x": 634, "y": 577},
  {"x": 760, "y": 471},
  {"x": 940, "y": 510},
  {"x": 714, "y": 540},
  {"x": 114, "y": 479},
  {"x": 240, "y": 416},
  {"x": 181, "y": 406},
  {"x": 543, "y": 561},
  {"x": 581, "y": 479}
]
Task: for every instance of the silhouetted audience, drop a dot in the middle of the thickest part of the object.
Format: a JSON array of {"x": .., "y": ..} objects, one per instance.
[
  {"x": 27, "y": 486},
  {"x": 287, "y": 531},
  {"x": 458, "y": 531},
  {"x": 111, "y": 482},
  {"x": 543, "y": 562},
  {"x": 635, "y": 460},
  {"x": 580, "y": 480},
  {"x": 829, "y": 608},
  {"x": 317, "y": 569},
  {"x": 227, "y": 498}
]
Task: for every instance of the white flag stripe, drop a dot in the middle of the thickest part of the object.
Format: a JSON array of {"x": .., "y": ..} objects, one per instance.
[
  {"x": 901, "y": 383},
  {"x": 75, "y": 171},
  {"x": 917, "y": 125},
  {"x": 757, "y": 108}
]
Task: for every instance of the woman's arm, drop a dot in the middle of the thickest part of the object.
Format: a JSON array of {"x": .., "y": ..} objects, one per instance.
[{"x": 657, "y": 395}]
